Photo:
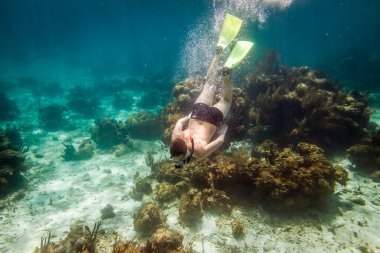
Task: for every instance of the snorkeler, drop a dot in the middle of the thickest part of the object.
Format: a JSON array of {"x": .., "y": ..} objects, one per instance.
[{"x": 205, "y": 122}]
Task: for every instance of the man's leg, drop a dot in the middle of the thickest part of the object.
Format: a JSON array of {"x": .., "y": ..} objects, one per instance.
[
  {"x": 207, "y": 94},
  {"x": 224, "y": 103}
]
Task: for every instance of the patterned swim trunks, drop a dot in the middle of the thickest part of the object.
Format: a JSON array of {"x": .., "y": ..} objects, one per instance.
[{"x": 206, "y": 113}]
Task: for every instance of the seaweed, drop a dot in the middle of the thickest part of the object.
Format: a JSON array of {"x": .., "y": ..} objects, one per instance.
[{"x": 92, "y": 236}]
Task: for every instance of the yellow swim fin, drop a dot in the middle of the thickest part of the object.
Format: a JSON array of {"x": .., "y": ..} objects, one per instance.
[
  {"x": 230, "y": 29},
  {"x": 238, "y": 53}
]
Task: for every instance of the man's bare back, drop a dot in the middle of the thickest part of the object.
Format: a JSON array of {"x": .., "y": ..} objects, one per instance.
[{"x": 201, "y": 132}]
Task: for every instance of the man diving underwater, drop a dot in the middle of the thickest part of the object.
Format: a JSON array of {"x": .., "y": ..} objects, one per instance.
[{"x": 192, "y": 134}]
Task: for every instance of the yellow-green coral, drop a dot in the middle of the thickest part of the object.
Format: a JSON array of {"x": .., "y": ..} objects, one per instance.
[{"x": 166, "y": 192}]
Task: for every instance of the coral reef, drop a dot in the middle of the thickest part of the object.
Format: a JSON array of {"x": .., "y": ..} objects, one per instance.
[
  {"x": 142, "y": 187},
  {"x": 166, "y": 192},
  {"x": 108, "y": 132},
  {"x": 295, "y": 178},
  {"x": 84, "y": 101},
  {"x": 166, "y": 171},
  {"x": 216, "y": 201},
  {"x": 8, "y": 108},
  {"x": 80, "y": 239},
  {"x": 366, "y": 155},
  {"x": 190, "y": 209},
  {"x": 148, "y": 219},
  {"x": 84, "y": 151},
  {"x": 51, "y": 117},
  {"x": 166, "y": 240},
  {"x": 12, "y": 159},
  {"x": 299, "y": 104},
  {"x": 144, "y": 125},
  {"x": 284, "y": 178}
]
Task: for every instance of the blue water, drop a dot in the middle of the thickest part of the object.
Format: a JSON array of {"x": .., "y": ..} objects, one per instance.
[{"x": 44, "y": 37}]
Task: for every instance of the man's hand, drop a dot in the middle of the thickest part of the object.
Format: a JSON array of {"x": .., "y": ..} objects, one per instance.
[
  {"x": 226, "y": 71},
  {"x": 222, "y": 130}
]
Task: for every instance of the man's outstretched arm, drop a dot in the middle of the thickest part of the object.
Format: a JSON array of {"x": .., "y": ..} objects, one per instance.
[
  {"x": 179, "y": 126},
  {"x": 215, "y": 144}
]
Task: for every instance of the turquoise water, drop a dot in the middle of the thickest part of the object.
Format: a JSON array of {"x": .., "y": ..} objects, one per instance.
[{"x": 87, "y": 90}]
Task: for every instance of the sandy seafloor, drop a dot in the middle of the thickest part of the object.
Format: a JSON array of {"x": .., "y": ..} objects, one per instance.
[{"x": 61, "y": 193}]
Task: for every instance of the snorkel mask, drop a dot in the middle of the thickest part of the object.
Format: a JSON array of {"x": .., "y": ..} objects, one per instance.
[{"x": 187, "y": 159}]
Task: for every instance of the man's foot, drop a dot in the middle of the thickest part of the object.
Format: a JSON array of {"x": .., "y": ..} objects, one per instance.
[
  {"x": 226, "y": 71},
  {"x": 219, "y": 50}
]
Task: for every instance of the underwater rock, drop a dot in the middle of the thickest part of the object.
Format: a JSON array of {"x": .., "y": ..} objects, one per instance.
[
  {"x": 166, "y": 171},
  {"x": 366, "y": 156},
  {"x": 124, "y": 148},
  {"x": 375, "y": 175},
  {"x": 142, "y": 187},
  {"x": 166, "y": 240},
  {"x": 144, "y": 125},
  {"x": 84, "y": 151},
  {"x": 108, "y": 132},
  {"x": 107, "y": 212},
  {"x": 84, "y": 101},
  {"x": 8, "y": 108},
  {"x": 166, "y": 192},
  {"x": 216, "y": 201},
  {"x": 51, "y": 117},
  {"x": 148, "y": 219},
  {"x": 190, "y": 210}
]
